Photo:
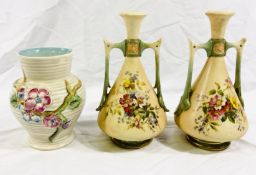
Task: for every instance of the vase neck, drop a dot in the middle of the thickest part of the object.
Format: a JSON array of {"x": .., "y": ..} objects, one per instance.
[
  {"x": 132, "y": 22},
  {"x": 50, "y": 68},
  {"x": 219, "y": 22}
]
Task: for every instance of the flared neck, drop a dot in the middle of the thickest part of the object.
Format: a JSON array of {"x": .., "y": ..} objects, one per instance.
[
  {"x": 132, "y": 22},
  {"x": 218, "y": 20}
]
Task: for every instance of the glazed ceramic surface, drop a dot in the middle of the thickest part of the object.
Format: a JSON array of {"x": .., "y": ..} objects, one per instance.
[
  {"x": 132, "y": 112},
  {"x": 48, "y": 100},
  {"x": 211, "y": 112}
]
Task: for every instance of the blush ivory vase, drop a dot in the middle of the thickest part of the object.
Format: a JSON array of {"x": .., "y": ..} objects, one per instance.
[
  {"x": 211, "y": 111},
  {"x": 132, "y": 113},
  {"x": 48, "y": 99}
]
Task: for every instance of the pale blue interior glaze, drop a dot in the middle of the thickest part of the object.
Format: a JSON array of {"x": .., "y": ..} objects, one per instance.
[{"x": 44, "y": 52}]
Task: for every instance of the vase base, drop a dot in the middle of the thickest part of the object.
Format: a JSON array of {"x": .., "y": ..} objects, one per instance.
[
  {"x": 131, "y": 144},
  {"x": 206, "y": 145},
  {"x": 45, "y": 146}
]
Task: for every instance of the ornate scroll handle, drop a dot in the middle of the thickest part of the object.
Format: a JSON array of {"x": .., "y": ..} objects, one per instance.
[
  {"x": 185, "y": 98},
  {"x": 156, "y": 47},
  {"x": 239, "y": 48},
  {"x": 108, "y": 47}
]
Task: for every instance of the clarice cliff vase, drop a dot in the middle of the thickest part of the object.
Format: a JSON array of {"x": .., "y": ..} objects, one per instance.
[
  {"x": 48, "y": 100},
  {"x": 132, "y": 113},
  {"x": 211, "y": 111}
]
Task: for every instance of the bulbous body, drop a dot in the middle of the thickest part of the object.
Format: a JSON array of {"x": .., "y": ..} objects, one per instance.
[
  {"x": 132, "y": 113},
  {"x": 214, "y": 115},
  {"x": 124, "y": 116},
  {"x": 48, "y": 100}
]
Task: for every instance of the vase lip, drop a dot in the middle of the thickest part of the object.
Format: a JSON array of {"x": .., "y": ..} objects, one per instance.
[
  {"x": 133, "y": 13},
  {"x": 45, "y": 52},
  {"x": 220, "y": 12}
]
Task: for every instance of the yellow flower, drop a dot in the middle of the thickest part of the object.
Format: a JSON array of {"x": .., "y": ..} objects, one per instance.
[
  {"x": 234, "y": 102},
  {"x": 127, "y": 83}
]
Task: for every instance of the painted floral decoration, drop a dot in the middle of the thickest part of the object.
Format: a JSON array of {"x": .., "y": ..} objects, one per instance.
[
  {"x": 217, "y": 108},
  {"x": 133, "y": 107},
  {"x": 33, "y": 104}
]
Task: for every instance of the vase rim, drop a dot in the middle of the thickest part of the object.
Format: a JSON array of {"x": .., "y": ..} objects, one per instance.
[
  {"x": 220, "y": 12},
  {"x": 45, "y": 52},
  {"x": 133, "y": 13}
]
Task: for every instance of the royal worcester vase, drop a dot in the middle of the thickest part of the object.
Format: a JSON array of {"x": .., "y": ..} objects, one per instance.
[
  {"x": 48, "y": 99},
  {"x": 132, "y": 113},
  {"x": 211, "y": 111}
]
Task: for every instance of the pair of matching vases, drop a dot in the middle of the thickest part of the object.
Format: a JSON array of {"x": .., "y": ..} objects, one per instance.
[{"x": 49, "y": 99}]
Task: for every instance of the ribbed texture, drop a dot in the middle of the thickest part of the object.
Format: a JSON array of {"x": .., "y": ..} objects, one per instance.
[
  {"x": 46, "y": 68},
  {"x": 50, "y": 74}
]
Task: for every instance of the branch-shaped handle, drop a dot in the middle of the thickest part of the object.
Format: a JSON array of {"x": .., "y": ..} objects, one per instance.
[
  {"x": 108, "y": 47},
  {"x": 156, "y": 47},
  {"x": 239, "y": 48},
  {"x": 185, "y": 98}
]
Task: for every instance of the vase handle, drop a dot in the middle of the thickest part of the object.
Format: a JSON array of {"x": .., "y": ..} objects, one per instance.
[
  {"x": 108, "y": 47},
  {"x": 156, "y": 47},
  {"x": 184, "y": 103},
  {"x": 239, "y": 48}
]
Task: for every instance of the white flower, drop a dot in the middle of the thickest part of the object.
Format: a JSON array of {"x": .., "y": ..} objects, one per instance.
[{"x": 26, "y": 117}]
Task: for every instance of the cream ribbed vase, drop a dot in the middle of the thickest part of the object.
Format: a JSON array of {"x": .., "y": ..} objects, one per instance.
[{"x": 48, "y": 100}]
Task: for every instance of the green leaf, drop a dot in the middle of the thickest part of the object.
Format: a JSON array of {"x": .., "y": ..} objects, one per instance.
[
  {"x": 211, "y": 92},
  {"x": 224, "y": 118},
  {"x": 215, "y": 123},
  {"x": 220, "y": 92},
  {"x": 14, "y": 100},
  {"x": 218, "y": 85},
  {"x": 205, "y": 109},
  {"x": 231, "y": 119},
  {"x": 213, "y": 127},
  {"x": 231, "y": 116},
  {"x": 75, "y": 102}
]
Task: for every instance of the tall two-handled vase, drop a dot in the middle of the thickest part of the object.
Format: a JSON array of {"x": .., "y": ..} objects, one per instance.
[
  {"x": 132, "y": 113},
  {"x": 48, "y": 99},
  {"x": 211, "y": 111}
]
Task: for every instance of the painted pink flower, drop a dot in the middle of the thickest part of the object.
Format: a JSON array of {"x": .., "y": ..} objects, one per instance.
[
  {"x": 38, "y": 100},
  {"x": 215, "y": 114},
  {"x": 52, "y": 121},
  {"x": 213, "y": 101}
]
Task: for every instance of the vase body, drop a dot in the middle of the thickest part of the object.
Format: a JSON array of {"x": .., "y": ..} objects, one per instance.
[
  {"x": 131, "y": 114},
  {"x": 215, "y": 115},
  {"x": 48, "y": 100}
]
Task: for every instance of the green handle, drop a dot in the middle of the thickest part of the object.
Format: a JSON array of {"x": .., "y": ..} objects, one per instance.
[
  {"x": 239, "y": 48},
  {"x": 139, "y": 48},
  {"x": 156, "y": 47},
  {"x": 184, "y": 103},
  {"x": 108, "y": 47}
]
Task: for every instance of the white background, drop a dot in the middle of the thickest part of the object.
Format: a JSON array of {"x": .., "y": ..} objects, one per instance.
[{"x": 82, "y": 25}]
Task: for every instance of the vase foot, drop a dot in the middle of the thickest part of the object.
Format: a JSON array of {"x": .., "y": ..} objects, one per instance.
[
  {"x": 45, "y": 146},
  {"x": 206, "y": 145},
  {"x": 131, "y": 144}
]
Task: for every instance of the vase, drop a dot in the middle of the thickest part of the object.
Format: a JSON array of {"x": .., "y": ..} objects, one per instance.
[
  {"x": 48, "y": 99},
  {"x": 211, "y": 111},
  {"x": 132, "y": 113}
]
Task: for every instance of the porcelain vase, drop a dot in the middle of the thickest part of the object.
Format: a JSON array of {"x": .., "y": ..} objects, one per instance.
[
  {"x": 48, "y": 99},
  {"x": 132, "y": 113},
  {"x": 211, "y": 111}
]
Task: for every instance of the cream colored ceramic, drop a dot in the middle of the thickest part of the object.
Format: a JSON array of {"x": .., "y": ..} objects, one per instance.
[
  {"x": 48, "y": 100},
  {"x": 132, "y": 113},
  {"x": 211, "y": 113}
]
